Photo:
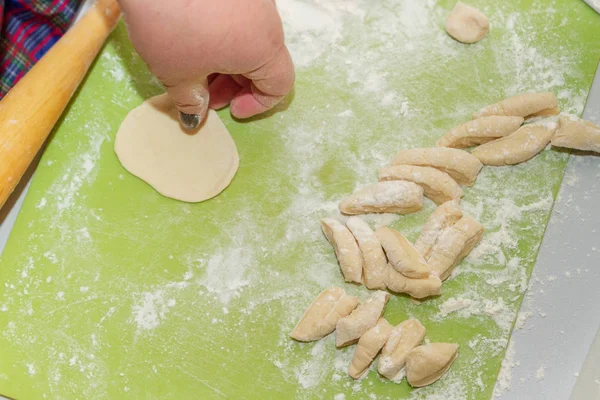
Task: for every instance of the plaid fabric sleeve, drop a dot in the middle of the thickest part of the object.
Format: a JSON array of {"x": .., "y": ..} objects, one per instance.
[{"x": 29, "y": 29}]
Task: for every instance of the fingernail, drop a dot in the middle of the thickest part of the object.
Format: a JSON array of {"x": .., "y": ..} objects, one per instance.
[{"x": 189, "y": 121}]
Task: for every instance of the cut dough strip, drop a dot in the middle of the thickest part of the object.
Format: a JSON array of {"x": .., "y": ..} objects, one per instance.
[
  {"x": 441, "y": 219},
  {"x": 401, "y": 253},
  {"x": 437, "y": 185},
  {"x": 428, "y": 363},
  {"x": 526, "y": 105},
  {"x": 480, "y": 131},
  {"x": 363, "y": 318},
  {"x": 454, "y": 245},
  {"x": 519, "y": 147},
  {"x": 368, "y": 346},
  {"x": 403, "y": 338},
  {"x": 345, "y": 247},
  {"x": 374, "y": 260},
  {"x": 460, "y": 165},
  {"x": 577, "y": 134},
  {"x": 467, "y": 24},
  {"x": 416, "y": 288},
  {"x": 399, "y": 197},
  {"x": 322, "y": 315}
]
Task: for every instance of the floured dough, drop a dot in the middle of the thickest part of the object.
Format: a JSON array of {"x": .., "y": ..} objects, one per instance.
[
  {"x": 428, "y": 363},
  {"x": 480, "y": 131},
  {"x": 368, "y": 346},
  {"x": 403, "y": 338},
  {"x": 350, "y": 328},
  {"x": 194, "y": 167},
  {"x": 402, "y": 255},
  {"x": 526, "y": 105},
  {"x": 516, "y": 148},
  {"x": 459, "y": 164},
  {"x": 577, "y": 134},
  {"x": 346, "y": 249},
  {"x": 436, "y": 184},
  {"x": 323, "y": 314},
  {"x": 441, "y": 219},
  {"x": 467, "y": 24}
]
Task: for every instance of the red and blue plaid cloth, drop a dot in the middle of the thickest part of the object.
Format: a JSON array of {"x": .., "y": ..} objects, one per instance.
[{"x": 29, "y": 29}]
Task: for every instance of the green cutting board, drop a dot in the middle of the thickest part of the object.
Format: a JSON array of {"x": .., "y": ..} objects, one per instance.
[{"x": 111, "y": 291}]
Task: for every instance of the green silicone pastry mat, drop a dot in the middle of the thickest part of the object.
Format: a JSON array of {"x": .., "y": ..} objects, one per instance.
[{"x": 111, "y": 291}]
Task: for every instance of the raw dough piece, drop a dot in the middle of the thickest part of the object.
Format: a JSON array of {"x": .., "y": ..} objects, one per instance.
[
  {"x": 374, "y": 261},
  {"x": 403, "y": 338},
  {"x": 437, "y": 185},
  {"x": 442, "y": 218},
  {"x": 190, "y": 167},
  {"x": 352, "y": 327},
  {"x": 519, "y": 147},
  {"x": 402, "y": 255},
  {"x": 416, "y": 288},
  {"x": 345, "y": 247},
  {"x": 426, "y": 364},
  {"x": 322, "y": 315},
  {"x": 480, "y": 131},
  {"x": 460, "y": 165},
  {"x": 526, "y": 105},
  {"x": 577, "y": 134},
  {"x": 399, "y": 197},
  {"x": 368, "y": 346},
  {"x": 454, "y": 245},
  {"x": 467, "y": 24}
]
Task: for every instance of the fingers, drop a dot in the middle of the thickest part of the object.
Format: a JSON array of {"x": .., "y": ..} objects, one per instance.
[
  {"x": 190, "y": 97},
  {"x": 222, "y": 89},
  {"x": 270, "y": 84}
]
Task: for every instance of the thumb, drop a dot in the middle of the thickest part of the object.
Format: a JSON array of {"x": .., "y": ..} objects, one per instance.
[
  {"x": 190, "y": 97},
  {"x": 270, "y": 84}
]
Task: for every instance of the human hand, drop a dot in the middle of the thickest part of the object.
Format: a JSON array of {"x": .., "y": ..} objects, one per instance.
[{"x": 211, "y": 53}]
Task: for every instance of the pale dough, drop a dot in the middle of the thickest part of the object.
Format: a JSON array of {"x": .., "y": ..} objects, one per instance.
[
  {"x": 369, "y": 344},
  {"x": 416, "y": 288},
  {"x": 459, "y": 164},
  {"x": 374, "y": 260},
  {"x": 403, "y": 338},
  {"x": 441, "y": 219},
  {"x": 191, "y": 167},
  {"x": 577, "y": 134},
  {"x": 480, "y": 131},
  {"x": 467, "y": 24},
  {"x": 517, "y": 147},
  {"x": 350, "y": 328},
  {"x": 526, "y": 105},
  {"x": 401, "y": 254},
  {"x": 436, "y": 184},
  {"x": 428, "y": 363},
  {"x": 346, "y": 249},
  {"x": 323, "y": 314}
]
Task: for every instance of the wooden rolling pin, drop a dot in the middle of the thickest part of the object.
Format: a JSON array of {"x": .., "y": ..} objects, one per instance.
[{"x": 29, "y": 111}]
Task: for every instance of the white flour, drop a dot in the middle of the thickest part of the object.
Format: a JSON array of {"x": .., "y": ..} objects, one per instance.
[
  {"x": 504, "y": 381},
  {"x": 152, "y": 309},
  {"x": 467, "y": 307},
  {"x": 522, "y": 318},
  {"x": 539, "y": 373}
]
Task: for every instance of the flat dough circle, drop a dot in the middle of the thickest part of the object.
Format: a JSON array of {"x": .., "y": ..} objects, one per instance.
[{"x": 151, "y": 145}]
